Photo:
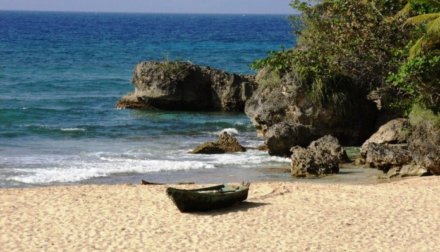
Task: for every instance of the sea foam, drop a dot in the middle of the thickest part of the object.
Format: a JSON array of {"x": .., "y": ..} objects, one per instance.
[
  {"x": 230, "y": 131},
  {"x": 72, "y": 129},
  {"x": 85, "y": 170}
]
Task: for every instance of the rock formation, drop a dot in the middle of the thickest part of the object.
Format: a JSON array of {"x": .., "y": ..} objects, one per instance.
[
  {"x": 226, "y": 143},
  {"x": 400, "y": 149},
  {"x": 424, "y": 145},
  {"x": 282, "y": 136},
  {"x": 284, "y": 103},
  {"x": 386, "y": 156},
  {"x": 185, "y": 86},
  {"x": 393, "y": 132},
  {"x": 320, "y": 158}
]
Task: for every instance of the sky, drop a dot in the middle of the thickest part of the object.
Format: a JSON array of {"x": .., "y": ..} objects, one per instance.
[{"x": 153, "y": 6}]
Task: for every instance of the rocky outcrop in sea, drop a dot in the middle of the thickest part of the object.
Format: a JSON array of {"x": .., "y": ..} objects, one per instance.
[{"x": 185, "y": 86}]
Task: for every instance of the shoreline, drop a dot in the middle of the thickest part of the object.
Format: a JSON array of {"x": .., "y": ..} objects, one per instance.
[
  {"x": 349, "y": 174},
  {"x": 277, "y": 215}
]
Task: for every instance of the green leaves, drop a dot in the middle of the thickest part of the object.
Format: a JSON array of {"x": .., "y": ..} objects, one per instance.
[
  {"x": 428, "y": 19},
  {"x": 280, "y": 61},
  {"x": 422, "y": 18},
  {"x": 418, "y": 80},
  {"x": 346, "y": 46}
]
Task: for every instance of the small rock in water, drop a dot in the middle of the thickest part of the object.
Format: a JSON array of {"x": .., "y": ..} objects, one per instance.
[
  {"x": 263, "y": 147},
  {"x": 226, "y": 143}
]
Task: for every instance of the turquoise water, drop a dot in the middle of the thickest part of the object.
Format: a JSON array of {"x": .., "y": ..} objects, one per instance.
[{"x": 62, "y": 73}]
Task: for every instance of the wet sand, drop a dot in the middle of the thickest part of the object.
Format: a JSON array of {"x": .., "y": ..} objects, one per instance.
[{"x": 278, "y": 216}]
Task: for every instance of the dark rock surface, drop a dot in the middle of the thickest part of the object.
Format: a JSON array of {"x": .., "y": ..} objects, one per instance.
[
  {"x": 401, "y": 149},
  {"x": 226, "y": 143},
  {"x": 385, "y": 156},
  {"x": 282, "y": 136},
  {"x": 185, "y": 86},
  {"x": 393, "y": 132},
  {"x": 283, "y": 100},
  {"x": 320, "y": 158},
  {"x": 424, "y": 145}
]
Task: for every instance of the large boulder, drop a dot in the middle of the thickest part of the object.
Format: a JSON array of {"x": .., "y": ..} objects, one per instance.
[
  {"x": 282, "y": 136},
  {"x": 185, "y": 86},
  {"x": 226, "y": 143},
  {"x": 424, "y": 145},
  {"x": 387, "y": 156},
  {"x": 396, "y": 131},
  {"x": 321, "y": 157},
  {"x": 403, "y": 148},
  {"x": 285, "y": 100}
]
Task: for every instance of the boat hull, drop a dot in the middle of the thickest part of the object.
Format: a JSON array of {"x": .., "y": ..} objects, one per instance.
[{"x": 206, "y": 199}]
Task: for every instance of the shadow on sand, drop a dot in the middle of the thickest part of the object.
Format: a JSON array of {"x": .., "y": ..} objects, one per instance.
[{"x": 241, "y": 207}]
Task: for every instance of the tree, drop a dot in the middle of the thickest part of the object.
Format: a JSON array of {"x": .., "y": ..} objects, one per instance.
[{"x": 429, "y": 20}]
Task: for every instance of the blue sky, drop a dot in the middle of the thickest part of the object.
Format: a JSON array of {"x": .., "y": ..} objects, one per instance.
[{"x": 155, "y": 6}]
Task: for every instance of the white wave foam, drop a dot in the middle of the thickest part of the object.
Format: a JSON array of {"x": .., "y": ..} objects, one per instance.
[
  {"x": 72, "y": 129},
  {"x": 230, "y": 131},
  {"x": 63, "y": 169},
  {"x": 248, "y": 160},
  {"x": 86, "y": 170}
]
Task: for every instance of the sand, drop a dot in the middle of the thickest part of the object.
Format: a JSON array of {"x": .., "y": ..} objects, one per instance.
[{"x": 396, "y": 216}]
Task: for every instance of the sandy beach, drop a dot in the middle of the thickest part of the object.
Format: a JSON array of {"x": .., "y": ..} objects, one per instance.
[{"x": 396, "y": 216}]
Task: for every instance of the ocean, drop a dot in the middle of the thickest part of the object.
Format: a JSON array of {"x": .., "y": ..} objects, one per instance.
[{"x": 61, "y": 75}]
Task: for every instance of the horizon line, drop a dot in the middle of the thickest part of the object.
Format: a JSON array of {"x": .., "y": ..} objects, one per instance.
[{"x": 134, "y": 12}]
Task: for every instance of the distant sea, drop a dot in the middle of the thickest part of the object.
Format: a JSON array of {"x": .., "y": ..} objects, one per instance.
[{"x": 62, "y": 73}]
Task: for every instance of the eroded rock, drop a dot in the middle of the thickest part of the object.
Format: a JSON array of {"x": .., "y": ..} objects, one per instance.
[
  {"x": 321, "y": 157},
  {"x": 282, "y": 136},
  {"x": 386, "y": 156},
  {"x": 185, "y": 86},
  {"x": 226, "y": 143},
  {"x": 396, "y": 131},
  {"x": 424, "y": 145},
  {"x": 284, "y": 100}
]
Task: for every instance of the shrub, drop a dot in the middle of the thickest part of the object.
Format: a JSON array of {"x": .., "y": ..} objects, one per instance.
[{"x": 418, "y": 81}]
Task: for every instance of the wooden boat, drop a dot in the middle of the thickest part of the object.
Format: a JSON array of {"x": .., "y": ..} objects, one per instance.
[
  {"x": 209, "y": 198},
  {"x": 145, "y": 182}
]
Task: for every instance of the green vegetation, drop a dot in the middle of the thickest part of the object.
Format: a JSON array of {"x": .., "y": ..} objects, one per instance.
[
  {"x": 174, "y": 69},
  {"x": 359, "y": 46},
  {"x": 419, "y": 114},
  {"x": 270, "y": 79}
]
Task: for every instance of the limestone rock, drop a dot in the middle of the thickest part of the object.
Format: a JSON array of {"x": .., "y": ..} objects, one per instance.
[
  {"x": 424, "y": 145},
  {"x": 407, "y": 171},
  {"x": 384, "y": 157},
  {"x": 185, "y": 86},
  {"x": 282, "y": 136},
  {"x": 331, "y": 145},
  {"x": 413, "y": 170},
  {"x": 285, "y": 100},
  {"x": 393, "y": 132},
  {"x": 263, "y": 147},
  {"x": 320, "y": 158},
  {"x": 226, "y": 143}
]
